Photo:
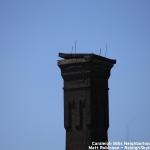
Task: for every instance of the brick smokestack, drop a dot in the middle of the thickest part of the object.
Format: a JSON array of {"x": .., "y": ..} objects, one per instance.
[{"x": 86, "y": 107}]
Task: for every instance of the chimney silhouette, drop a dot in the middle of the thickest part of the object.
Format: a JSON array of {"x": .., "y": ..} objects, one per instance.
[{"x": 86, "y": 109}]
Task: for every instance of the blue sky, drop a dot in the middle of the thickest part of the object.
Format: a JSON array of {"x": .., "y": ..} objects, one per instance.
[{"x": 32, "y": 32}]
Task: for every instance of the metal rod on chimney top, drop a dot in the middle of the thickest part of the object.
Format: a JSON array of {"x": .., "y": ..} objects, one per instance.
[
  {"x": 75, "y": 46},
  {"x": 106, "y": 50}
]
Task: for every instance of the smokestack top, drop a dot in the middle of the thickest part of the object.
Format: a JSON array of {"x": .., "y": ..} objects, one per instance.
[{"x": 83, "y": 57}]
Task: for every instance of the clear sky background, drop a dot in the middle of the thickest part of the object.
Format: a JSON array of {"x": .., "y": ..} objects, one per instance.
[{"x": 32, "y": 32}]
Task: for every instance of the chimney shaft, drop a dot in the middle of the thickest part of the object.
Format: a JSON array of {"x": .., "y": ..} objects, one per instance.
[{"x": 86, "y": 109}]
